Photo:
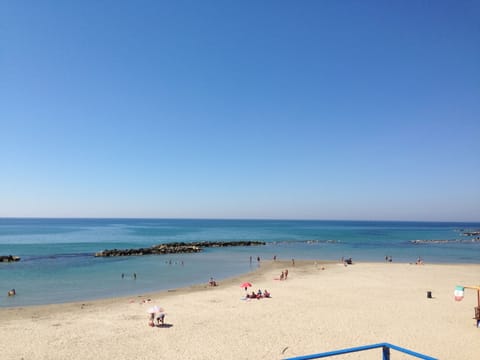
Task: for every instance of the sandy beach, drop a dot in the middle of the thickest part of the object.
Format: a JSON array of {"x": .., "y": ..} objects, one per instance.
[{"x": 322, "y": 306}]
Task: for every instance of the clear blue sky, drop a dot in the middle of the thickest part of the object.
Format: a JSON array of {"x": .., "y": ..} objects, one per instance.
[{"x": 240, "y": 109}]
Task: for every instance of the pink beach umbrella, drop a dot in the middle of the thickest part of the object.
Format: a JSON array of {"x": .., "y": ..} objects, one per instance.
[{"x": 246, "y": 285}]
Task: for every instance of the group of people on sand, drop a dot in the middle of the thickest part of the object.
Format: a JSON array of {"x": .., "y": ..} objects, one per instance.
[
  {"x": 258, "y": 295},
  {"x": 284, "y": 275}
]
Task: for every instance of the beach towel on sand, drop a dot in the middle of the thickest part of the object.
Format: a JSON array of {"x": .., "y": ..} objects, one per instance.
[{"x": 459, "y": 291}]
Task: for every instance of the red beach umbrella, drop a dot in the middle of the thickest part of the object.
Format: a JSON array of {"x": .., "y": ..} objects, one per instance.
[{"x": 245, "y": 285}]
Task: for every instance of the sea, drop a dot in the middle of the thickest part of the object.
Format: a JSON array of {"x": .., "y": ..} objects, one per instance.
[{"x": 58, "y": 264}]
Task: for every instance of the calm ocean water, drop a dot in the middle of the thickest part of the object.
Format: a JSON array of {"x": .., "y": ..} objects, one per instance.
[{"x": 57, "y": 263}]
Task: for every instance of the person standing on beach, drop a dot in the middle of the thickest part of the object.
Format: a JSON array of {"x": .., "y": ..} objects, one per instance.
[{"x": 286, "y": 274}]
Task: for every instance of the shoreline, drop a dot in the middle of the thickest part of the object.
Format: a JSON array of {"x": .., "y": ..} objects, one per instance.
[
  {"x": 258, "y": 272},
  {"x": 267, "y": 265}
]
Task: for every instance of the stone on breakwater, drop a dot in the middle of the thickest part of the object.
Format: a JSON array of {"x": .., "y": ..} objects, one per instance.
[
  {"x": 175, "y": 248},
  {"x": 9, "y": 258}
]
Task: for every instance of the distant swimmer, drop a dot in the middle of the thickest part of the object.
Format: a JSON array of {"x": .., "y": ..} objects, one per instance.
[{"x": 12, "y": 292}]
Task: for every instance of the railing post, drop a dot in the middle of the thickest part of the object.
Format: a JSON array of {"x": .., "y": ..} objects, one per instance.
[{"x": 386, "y": 353}]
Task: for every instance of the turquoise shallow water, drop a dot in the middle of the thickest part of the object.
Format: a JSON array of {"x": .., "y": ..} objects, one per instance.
[{"x": 58, "y": 265}]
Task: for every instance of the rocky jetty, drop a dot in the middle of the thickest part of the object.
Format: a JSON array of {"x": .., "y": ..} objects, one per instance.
[
  {"x": 175, "y": 248},
  {"x": 204, "y": 244},
  {"x": 9, "y": 258},
  {"x": 469, "y": 241}
]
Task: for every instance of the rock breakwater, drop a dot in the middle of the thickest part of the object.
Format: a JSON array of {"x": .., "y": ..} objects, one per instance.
[
  {"x": 9, "y": 258},
  {"x": 175, "y": 248},
  {"x": 462, "y": 241}
]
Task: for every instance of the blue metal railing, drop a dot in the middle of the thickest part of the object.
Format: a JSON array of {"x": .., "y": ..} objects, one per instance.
[{"x": 385, "y": 352}]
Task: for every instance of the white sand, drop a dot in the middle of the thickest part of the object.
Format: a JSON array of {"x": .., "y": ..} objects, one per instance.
[{"x": 313, "y": 311}]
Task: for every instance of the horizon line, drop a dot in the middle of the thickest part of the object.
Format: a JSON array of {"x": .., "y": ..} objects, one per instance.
[{"x": 223, "y": 219}]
